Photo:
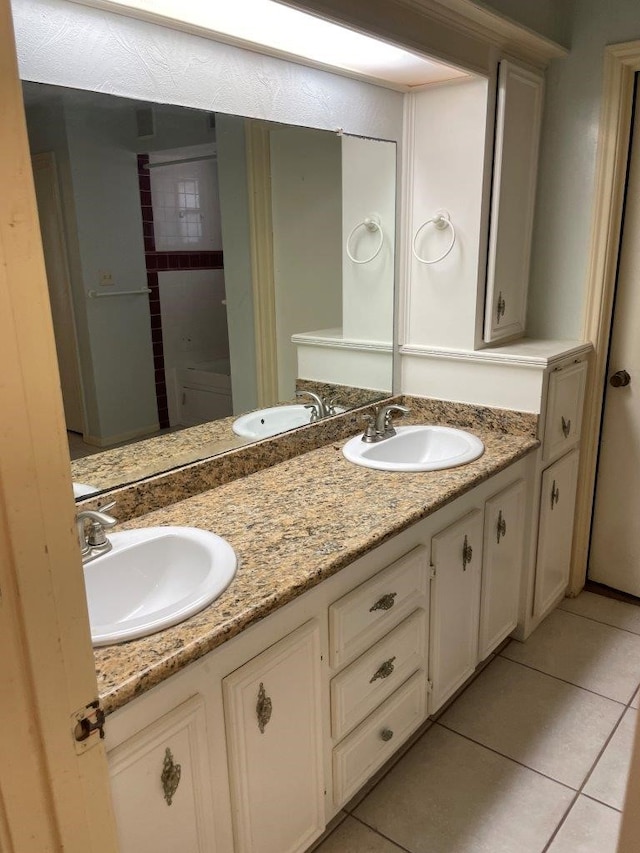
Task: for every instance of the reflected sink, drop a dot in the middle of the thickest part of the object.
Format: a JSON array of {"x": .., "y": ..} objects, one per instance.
[
  {"x": 266, "y": 422},
  {"x": 153, "y": 578},
  {"x": 416, "y": 448},
  {"x": 82, "y": 490}
]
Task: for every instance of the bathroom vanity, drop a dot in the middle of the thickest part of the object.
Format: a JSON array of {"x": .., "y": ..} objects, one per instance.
[{"x": 363, "y": 601}]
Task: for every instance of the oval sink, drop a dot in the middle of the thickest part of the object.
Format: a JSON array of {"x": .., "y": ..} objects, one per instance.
[
  {"x": 153, "y": 578},
  {"x": 271, "y": 421},
  {"x": 416, "y": 448},
  {"x": 82, "y": 490}
]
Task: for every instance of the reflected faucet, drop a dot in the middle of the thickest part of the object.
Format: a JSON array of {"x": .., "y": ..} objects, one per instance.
[
  {"x": 318, "y": 407},
  {"x": 93, "y": 539}
]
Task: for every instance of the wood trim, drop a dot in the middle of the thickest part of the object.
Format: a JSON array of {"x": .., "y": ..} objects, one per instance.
[
  {"x": 261, "y": 241},
  {"x": 52, "y": 798},
  {"x": 405, "y": 235},
  {"x": 621, "y": 62},
  {"x": 445, "y": 23}
]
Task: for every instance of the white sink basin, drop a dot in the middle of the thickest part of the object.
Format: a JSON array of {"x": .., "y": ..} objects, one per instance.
[
  {"x": 266, "y": 422},
  {"x": 154, "y": 577},
  {"x": 81, "y": 490},
  {"x": 416, "y": 448}
]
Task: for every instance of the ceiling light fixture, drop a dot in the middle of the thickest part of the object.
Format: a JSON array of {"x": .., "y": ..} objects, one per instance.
[{"x": 269, "y": 27}]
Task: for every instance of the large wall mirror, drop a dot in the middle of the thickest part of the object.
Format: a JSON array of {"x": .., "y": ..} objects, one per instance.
[{"x": 203, "y": 265}]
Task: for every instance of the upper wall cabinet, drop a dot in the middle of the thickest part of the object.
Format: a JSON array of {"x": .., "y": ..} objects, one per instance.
[{"x": 518, "y": 118}]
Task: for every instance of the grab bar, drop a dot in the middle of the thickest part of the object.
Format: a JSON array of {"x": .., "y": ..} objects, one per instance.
[{"x": 93, "y": 294}]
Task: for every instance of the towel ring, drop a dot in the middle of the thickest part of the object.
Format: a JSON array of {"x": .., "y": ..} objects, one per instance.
[
  {"x": 371, "y": 223},
  {"x": 440, "y": 221}
]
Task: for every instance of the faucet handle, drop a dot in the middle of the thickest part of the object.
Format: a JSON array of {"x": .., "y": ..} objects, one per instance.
[
  {"x": 370, "y": 433},
  {"x": 95, "y": 536}
]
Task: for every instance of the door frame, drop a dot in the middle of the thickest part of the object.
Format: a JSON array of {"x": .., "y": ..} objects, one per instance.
[
  {"x": 54, "y": 793},
  {"x": 45, "y": 164},
  {"x": 621, "y": 62}
]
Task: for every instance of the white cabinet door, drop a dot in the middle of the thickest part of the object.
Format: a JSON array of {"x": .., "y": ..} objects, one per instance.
[
  {"x": 501, "y": 566},
  {"x": 518, "y": 118},
  {"x": 555, "y": 533},
  {"x": 563, "y": 416},
  {"x": 274, "y": 736},
  {"x": 456, "y": 557},
  {"x": 161, "y": 786}
]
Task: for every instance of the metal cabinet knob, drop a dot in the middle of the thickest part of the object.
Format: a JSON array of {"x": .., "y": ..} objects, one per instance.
[
  {"x": 386, "y": 734},
  {"x": 619, "y": 379}
]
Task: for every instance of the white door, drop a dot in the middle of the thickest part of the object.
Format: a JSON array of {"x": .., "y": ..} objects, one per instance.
[
  {"x": 161, "y": 786},
  {"x": 615, "y": 541},
  {"x": 54, "y": 791},
  {"x": 55, "y": 257},
  {"x": 456, "y": 556},
  {"x": 272, "y": 710},
  {"x": 501, "y": 566},
  {"x": 555, "y": 531},
  {"x": 519, "y": 113}
]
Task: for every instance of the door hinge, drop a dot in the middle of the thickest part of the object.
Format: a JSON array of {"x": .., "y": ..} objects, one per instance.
[
  {"x": 432, "y": 572},
  {"x": 429, "y": 685},
  {"x": 86, "y": 722}
]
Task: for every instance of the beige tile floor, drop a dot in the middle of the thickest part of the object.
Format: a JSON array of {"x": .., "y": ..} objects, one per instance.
[{"x": 532, "y": 757}]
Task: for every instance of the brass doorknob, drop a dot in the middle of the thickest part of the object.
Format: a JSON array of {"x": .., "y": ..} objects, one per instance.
[{"x": 620, "y": 378}]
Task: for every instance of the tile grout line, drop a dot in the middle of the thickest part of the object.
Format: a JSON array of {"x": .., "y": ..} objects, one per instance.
[
  {"x": 572, "y": 683},
  {"x": 580, "y": 790},
  {"x": 601, "y": 802},
  {"x": 507, "y": 757},
  {"x": 599, "y": 621},
  {"x": 382, "y": 835}
]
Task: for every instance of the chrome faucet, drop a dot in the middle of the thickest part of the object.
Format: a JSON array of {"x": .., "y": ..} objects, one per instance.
[
  {"x": 381, "y": 426},
  {"x": 319, "y": 408},
  {"x": 93, "y": 539}
]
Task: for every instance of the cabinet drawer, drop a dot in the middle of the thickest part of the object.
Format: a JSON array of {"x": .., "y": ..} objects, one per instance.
[
  {"x": 367, "y": 613},
  {"x": 375, "y": 675},
  {"x": 563, "y": 419},
  {"x": 160, "y": 785},
  {"x": 372, "y": 743}
]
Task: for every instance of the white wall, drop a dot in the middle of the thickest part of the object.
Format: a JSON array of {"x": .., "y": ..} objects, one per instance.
[
  {"x": 306, "y": 170},
  {"x": 550, "y": 18},
  {"x": 368, "y": 189},
  {"x": 567, "y": 167},
  {"x": 234, "y": 208},
  {"x": 109, "y": 223},
  {"x": 72, "y": 45},
  {"x": 101, "y": 203}
]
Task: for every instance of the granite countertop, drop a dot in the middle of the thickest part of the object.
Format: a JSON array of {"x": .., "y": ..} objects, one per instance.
[{"x": 292, "y": 526}]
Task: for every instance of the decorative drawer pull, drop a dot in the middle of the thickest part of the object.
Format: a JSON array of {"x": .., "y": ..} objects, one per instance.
[
  {"x": 501, "y": 527},
  {"x": 555, "y": 494},
  {"x": 170, "y": 777},
  {"x": 501, "y": 307},
  {"x": 385, "y": 603},
  {"x": 566, "y": 427},
  {"x": 386, "y": 734},
  {"x": 264, "y": 708},
  {"x": 384, "y": 671},
  {"x": 467, "y": 554}
]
